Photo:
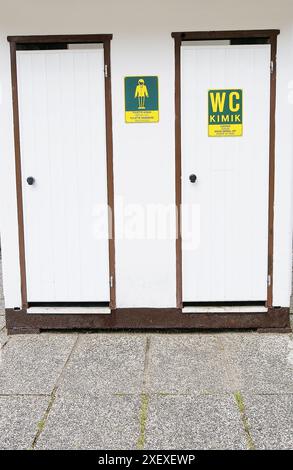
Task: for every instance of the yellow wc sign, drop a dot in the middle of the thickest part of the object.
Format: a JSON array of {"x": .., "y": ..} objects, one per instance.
[{"x": 225, "y": 113}]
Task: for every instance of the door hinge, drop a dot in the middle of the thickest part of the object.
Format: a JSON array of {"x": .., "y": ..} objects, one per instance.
[
  {"x": 111, "y": 282},
  {"x": 269, "y": 280},
  {"x": 272, "y": 66},
  {"x": 106, "y": 71}
]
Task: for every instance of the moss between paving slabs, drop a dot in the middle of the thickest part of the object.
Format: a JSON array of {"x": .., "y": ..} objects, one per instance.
[
  {"x": 143, "y": 419},
  {"x": 241, "y": 406},
  {"x": 42, "y": 422}
]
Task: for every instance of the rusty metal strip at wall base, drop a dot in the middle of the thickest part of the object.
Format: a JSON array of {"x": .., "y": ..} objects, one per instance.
[{"x": 276, "y": 319}]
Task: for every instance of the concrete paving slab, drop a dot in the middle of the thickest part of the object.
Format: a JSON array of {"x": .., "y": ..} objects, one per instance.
[
  {"x": 31, "y": 364},
  {"x": 3, "y": 333},
  {"x": 186, "y": 363},
  {"x": 3, "y": 340},
  {"x": 194, "y": 422},
  {"x": 270, "y": 418},
  {"x": 105, "y": 363},
  {"x": 103, "y": 422},
  {"x": 2, "y": 322},
  {"x": 259, "y": 363},
  {"x": 19, "y": 418}
]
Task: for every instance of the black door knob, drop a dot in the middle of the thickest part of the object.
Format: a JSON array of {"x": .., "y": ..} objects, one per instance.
[
  {"x": 30, "y": 180},
  {"x": 192, "y": 178}
]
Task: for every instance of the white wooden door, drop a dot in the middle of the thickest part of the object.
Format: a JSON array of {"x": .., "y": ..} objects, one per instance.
[
  {"x": 63, "y": 147},
  {"x": 225, "y": 212}
]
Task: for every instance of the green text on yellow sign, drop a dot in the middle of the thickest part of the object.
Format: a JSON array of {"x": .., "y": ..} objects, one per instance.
[
  {"x": 141, "y": 99},
  {"x": 225, "y": 113}
]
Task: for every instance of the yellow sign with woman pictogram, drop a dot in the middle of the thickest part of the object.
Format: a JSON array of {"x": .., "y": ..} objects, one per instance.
[{"x": 141, "y": 99}]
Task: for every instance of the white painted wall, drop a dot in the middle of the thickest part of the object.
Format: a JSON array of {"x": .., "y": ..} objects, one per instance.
[{"x": 142, "y": 44}]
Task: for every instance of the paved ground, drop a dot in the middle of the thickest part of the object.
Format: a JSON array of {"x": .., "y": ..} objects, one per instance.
[{"x": 151, "y": 391}]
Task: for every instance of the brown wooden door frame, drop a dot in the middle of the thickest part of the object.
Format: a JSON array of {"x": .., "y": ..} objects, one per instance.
[
  {"x": 18, "y": 41},
  {"x": 270, "y": 37}
]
